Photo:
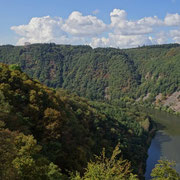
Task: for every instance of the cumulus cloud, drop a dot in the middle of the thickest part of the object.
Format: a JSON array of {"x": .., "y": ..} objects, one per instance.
[
  {"x": 172, "y": 20},
  {"x": 126, "y": 33},
  {"x": 80, "y": 29},
  {"x": 121, "y": 41},
  {"x": 161, "y": 38},
  {"x": 79, "y": 25},
  {"x": 124, "y": 27},
  {"x": 175, "y": 34},
  {"x": 117, "y": 15},
  {"x": 74, "y": 30},
  {"x": 43, "y": 29}
]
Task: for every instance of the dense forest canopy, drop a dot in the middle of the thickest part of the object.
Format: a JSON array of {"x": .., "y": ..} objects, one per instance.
[
  {"x": 61, "y": 129},
  {"x": 54, "y": 133},
  {"x": 149, "y": 73}
]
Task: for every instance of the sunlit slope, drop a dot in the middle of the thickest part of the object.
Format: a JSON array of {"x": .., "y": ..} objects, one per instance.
[{"x": 70, "y": 129}]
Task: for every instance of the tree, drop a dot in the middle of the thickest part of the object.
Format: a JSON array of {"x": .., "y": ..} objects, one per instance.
[
  {"x": 4, "y": 105},
  {"x": 29, "y": 164},
  {"x": 7, "y": 153},
  {"x": 164, "y": 170},
  {"x": 20, "y": 158},
  {"x": 107, "y": 168},
  {"x": 54, "y": 172},
  {"x": 14, "y": 67}
]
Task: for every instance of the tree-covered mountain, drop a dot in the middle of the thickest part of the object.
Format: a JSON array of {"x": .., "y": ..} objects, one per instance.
[
  {"x": 148, "y": 74},
  {"x": 43, "y": 129}
]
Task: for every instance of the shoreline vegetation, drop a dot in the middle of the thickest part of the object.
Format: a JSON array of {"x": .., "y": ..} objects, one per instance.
[
  {"x": 157, "y": 126},
  {"x": 151, "y": 135},
  {"x": 158, "y": 107}
]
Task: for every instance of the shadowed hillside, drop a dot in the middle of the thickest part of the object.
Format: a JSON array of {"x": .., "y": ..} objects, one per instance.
[{"x": 63, "y": 128}]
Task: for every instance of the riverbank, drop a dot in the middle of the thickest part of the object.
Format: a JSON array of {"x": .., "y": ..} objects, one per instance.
[
  {"x": 164, "y": 139},
  {"x": 162, "y": 108},
  {"x": 151, "y": 134}
]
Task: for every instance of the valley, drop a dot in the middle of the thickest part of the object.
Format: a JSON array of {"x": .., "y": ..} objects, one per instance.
[{"x": 75, "y": 100}]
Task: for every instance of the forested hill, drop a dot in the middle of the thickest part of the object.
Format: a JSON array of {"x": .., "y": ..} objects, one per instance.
[
  {"x": 43, "y": 130},
  {"x": 149, "y": 73}
]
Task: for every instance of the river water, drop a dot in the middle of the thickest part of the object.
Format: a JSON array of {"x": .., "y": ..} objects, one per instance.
[{"x": 166, "y": 143}]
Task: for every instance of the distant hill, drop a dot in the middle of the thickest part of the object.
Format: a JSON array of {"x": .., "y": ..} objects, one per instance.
[
  {"x": 149, "y": 73},
  {"x": 40, "y": 125}
]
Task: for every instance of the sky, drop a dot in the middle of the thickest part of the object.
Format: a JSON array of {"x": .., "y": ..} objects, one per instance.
[{"x": 98, "y": 23}]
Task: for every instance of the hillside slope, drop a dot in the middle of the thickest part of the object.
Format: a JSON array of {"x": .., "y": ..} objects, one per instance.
[
  {"x": 146, "y": 73},
  {"x": 69, "y": 129}
]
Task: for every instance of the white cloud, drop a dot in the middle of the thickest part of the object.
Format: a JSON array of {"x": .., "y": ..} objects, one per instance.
[
  {"x": 150, "y": 21},
  {"x": 161, "y": 38},
  {"x": 117, "y": 16},
  {"x": 172, "y": 20},
  {"x": 175, "y": 34},
  {"x": 121, "y": 41},
  {"x": 100, "y": 42},
  {"x": 43, "y": 29},
  {"x": 79, "y": 25},
  {"x": 124, "y": 27},
  {"x": 80, "y": 29}
]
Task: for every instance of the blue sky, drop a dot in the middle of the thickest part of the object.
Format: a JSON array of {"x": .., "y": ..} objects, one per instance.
[{"x": 116, "y": 23}]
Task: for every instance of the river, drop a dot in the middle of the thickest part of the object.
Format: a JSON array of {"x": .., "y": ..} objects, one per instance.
[{"x": 166, "y": 143}]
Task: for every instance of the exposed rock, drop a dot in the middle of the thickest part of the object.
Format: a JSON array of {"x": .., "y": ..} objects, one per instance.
[
  {"x": 146, "y": 97},
  {"x": 173, "y": 101},
  {"x": 147, "y": 76},
  {"x": 137, "y": 100},
  {"x": 159, "y": 97}
]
